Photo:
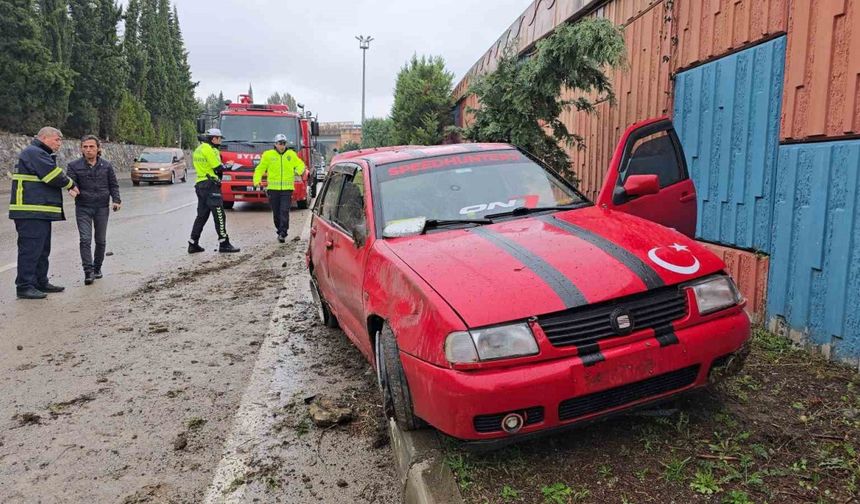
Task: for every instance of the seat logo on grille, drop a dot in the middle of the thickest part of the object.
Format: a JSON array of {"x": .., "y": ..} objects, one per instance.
[{"x": 621, "y": 321}]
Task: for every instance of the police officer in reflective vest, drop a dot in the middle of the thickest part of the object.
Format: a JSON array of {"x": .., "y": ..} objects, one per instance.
[
  {"x": 281, "y": 166},
  {"x": 36, "y": 201},
  {"x": 207, "y": 163}
]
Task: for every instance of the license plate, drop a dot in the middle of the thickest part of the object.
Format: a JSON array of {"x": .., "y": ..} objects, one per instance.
[{"x": 149, "y": 176}]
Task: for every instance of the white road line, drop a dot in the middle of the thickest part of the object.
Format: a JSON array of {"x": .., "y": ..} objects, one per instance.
[
  {"x": 177, "y": 208},
  {"x": 9, "y": 266}
]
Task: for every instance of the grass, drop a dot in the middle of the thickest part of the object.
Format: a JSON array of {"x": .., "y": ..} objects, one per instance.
[{"x": 786, "y": 429}]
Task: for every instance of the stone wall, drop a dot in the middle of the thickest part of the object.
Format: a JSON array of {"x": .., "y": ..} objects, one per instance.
[{"x": 121, "y": 155}]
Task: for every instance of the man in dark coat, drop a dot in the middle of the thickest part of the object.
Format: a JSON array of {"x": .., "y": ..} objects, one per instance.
[
  {"x": 96, "y": 180},
  {"x": 36, "y": 201}
]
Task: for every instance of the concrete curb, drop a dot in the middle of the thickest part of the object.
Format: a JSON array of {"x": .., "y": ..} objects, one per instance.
[{"x": 419, "y": 460}]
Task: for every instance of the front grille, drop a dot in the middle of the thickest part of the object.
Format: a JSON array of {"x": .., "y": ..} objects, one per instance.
[
  {"x": 589, "y": 324},
  {"x": 493, "y": 423},
  {"x": 625, "y": 394}
]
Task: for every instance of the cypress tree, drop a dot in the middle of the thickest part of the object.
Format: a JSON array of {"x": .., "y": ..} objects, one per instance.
[
  {"x": 98, "y": 64},
  {"x": 35, "y": 89},
  {"x": 135, "y": 59},
  {"x": 56, "y": 29}
]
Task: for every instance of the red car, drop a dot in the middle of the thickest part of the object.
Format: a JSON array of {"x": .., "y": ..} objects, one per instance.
[{"x": 495, "y": 300}]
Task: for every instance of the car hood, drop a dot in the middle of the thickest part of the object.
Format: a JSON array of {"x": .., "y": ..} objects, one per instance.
[{"x": 535, "y": 265}]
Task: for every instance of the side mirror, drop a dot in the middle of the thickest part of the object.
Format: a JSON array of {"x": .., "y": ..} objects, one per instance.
[
  {"x": 642, "y": 185},
  {"x": 201, "y": 125},
  {"x": 315, "y": 128},
  {"x": 175, "y": 159},
  {"x": 359, "y": 235}
]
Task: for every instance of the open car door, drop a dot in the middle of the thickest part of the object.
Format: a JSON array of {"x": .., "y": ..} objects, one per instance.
[{"x": 648, "y": 177}]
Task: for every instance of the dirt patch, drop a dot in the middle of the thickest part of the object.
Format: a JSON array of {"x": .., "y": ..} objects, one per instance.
[
  {"x": 787, "y": 429},
  {"x": 135, "y": 407}
]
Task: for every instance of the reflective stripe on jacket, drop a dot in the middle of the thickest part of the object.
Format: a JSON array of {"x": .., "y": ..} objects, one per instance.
[
  {"x": 38, "y": 184},
  {"x": 281, "y": 170},
  {"x": 206, "y": 159}
]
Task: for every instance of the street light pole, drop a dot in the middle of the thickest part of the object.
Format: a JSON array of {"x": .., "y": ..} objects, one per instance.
[{"x": 364, "y": 45}]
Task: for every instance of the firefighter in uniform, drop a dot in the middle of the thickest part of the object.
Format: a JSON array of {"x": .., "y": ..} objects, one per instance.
[
  {"x": 280, "y": 166},
  {"x": 207, "y": 163},
  {"x": 36, "y": 201}
]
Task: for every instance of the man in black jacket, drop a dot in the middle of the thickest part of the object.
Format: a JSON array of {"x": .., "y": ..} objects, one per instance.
[
  {"x": 96, "y": 179},
  {"x": 36, "y": 201}
]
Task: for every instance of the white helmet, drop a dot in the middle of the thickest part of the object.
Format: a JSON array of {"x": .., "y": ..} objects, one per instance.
[
  {"x": 213, "y": 132},
  {"x": 280, "y": 137}
]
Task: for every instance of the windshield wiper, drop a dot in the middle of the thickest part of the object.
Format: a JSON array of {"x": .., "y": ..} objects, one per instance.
[
  {"x": 526, "y": 211},
  {"x": 436, "y": 223}
]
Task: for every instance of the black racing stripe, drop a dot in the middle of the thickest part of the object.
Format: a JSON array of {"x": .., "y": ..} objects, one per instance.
[
  {"x": 570, "y": 295},
  {"x": 666, "y": 336},
  {"x": 646, "y": 273},
  {"x": 590, "y": 354}
]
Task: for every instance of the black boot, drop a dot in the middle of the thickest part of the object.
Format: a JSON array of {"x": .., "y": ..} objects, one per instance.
[
  {"x": 194, "y": 247},
  {"x": 31, "y": 293},
  {"x": 88, "y": 278},
  {"x": 51, "y": 288},
  {"x": 282, "y": 237},
  {"x": 97, "y": 273},
  {"x": 227, "y": 247}
]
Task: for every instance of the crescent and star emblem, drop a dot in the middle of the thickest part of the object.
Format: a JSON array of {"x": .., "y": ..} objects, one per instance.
[{"x": 677, "y": 268}]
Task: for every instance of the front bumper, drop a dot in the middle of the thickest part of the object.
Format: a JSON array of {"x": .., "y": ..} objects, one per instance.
[
  {"x": 153, "y": 176},
  {"x": 562, "y": 392}
]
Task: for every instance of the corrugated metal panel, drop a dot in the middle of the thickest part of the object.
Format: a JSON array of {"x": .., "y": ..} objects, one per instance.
[
  {"x": 712, "y": 28},
  {"x": 822, "y": 80},
  {"x": 750, "y": 273},
  {"x": 815, "y": 266},
  {"x": 642, "y": 89},
  {"x": 727, "y": 116}
]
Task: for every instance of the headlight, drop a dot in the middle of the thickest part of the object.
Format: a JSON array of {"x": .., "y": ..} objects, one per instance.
[
  {"x": 490, "y": 343},
  {"x": 716, "y": 293},
  {"x": 226, "y": 178}
]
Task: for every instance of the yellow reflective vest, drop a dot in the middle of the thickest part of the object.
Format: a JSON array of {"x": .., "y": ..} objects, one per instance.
[
  {"x": 206, "y": 159},
  {"x": 281, "y": 170}
]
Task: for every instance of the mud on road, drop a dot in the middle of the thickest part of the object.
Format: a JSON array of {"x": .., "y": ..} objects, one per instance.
[{"x": 136, "y": 403}]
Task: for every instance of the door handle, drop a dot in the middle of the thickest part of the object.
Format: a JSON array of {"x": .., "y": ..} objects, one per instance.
[
  {"x": 329, "y": 244},
  {"x": 685, "y": 197}
]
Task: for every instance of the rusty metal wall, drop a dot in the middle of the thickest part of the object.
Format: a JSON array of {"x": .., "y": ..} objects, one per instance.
[
  {"x": 711, "y": 28},
  {"x": 750, "y": 272},
  {"x": 642, "y": 89},
  {"x": 822, "y": 78}
]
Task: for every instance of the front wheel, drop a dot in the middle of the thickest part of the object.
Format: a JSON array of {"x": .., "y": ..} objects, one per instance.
[
  {"x": 396, "y": 397},
  {"x": 135, "y": 183},
  {"x": 228, "y": 205}
]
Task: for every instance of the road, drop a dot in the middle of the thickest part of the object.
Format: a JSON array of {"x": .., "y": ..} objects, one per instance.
[{"x": 181, "y": 378}]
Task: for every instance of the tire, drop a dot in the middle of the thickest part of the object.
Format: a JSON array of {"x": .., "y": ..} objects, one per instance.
[
  {"x": 184, "y": 176},
  {"x": 312, "y": 188},
  {"x": 172, "y": 178},
  {"x": 228, "y": 205},
  {"x": 396, "y": 397},
  {"x": 323, "y": 312},
  {"x": 150, "y": 183},
  {"x": 135, "y": 183},
  {"x": 302, "y": 204}
]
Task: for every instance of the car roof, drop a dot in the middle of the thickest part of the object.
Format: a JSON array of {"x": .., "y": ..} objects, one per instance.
[
  {"x": 386, "y": 155},
  {"x": 161, "y": 149}
]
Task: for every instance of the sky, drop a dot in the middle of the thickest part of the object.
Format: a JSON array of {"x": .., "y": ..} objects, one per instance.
[{"x": 309, "y": 48}]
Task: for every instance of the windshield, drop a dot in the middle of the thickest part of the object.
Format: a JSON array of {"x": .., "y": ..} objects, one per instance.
[
  {"x": 245, "y": 128},
  {"x": 156, "y": 157},
  {"x": 467, "y": 186}
]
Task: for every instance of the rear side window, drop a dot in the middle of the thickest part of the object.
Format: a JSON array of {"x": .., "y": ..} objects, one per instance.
[
  {"x": 655, "y": 155},
  {"x": 331, "y": 196}
]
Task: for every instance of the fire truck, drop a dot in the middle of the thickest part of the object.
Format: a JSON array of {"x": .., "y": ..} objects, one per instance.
[{"x": 249, "y": 129}]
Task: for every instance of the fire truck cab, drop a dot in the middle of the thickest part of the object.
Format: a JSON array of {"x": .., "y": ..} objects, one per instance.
[{"x": 249, "y": 130}]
